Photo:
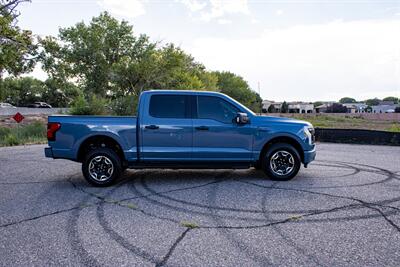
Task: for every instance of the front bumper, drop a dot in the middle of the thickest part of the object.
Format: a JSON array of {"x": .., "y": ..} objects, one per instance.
[
  {"x": 309, "y": 156},
  {"x": 48, "y": 152}
]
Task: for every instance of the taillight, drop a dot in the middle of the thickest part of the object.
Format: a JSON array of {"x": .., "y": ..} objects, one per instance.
[{"x": 52, "y": 128}]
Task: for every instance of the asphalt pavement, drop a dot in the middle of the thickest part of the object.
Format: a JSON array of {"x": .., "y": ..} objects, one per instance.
[{"x": 343, "y": 210}]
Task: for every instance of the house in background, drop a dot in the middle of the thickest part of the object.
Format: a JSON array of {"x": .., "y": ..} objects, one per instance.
[
  {"x": 385, "y": 107},
  {"x": 293, "y": 107},
  {"x": 300, "y": 107},
  {"x": 356, "y": 107},
  {"x": 271, "y": 106}
]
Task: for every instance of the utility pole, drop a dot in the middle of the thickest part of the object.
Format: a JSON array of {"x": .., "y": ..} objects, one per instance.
[{"x": 259, "y": 93}]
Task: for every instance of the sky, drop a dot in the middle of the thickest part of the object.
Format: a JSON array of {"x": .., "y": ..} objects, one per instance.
[{"x": 287, "y": 50}]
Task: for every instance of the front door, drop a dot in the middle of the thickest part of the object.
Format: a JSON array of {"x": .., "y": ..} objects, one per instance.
[
  {"x": 216, "y": 135},
  {"x": 166, "y": 129}
]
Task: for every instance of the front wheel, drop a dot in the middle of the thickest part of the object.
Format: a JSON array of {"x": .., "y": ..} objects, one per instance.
[
  {"x": 101, "y": 167},
  {"x": 281, "y": 162}
]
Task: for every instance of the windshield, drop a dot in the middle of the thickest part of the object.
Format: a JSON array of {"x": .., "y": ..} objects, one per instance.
[{"x": 248, "y": 111}]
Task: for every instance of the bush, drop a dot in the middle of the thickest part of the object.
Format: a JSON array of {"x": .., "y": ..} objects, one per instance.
[
  {"x": 95, "y": 106},
  {"x": 125, "y": 106},
  {"x": 11, "y": 140},
  {"x": 31, "y": 132},
  {"x": 23, "y": 134}
]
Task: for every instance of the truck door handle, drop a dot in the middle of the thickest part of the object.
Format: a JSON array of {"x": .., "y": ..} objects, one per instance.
[
  {"x": 202, "y": 128},
  {"x": 151, "y": 127}
]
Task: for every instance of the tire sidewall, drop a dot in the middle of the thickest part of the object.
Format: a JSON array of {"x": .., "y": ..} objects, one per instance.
[
  {"x": 110, "y": 154},
  {"x": 266, "y": 161}
]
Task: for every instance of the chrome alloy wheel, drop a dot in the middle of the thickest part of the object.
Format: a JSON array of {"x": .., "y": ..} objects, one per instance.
[
  {"x": 282, "y": 162},
  {"x": 101, "y": 168}
]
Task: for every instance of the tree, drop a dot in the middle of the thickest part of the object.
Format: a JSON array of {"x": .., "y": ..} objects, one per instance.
[
  {"x": 397, "y": 110},
  {"x": 237, "y": 88},
  {"x": 58, "y": 93},
  {"x": 18, "y": 52},
  {"x": 336, "y": 108},
  {"x": 21, "y": 91},
  {"x": 347, "y": 100},
  {"x": 285, "y": 107},
  {"x": 88, "y": 53},
  {"x": 372, "y": 102},
  {"x": 318, "y": 103},
  {"x": 391, "y": 98},
  {"x": 107, "y": 60}
]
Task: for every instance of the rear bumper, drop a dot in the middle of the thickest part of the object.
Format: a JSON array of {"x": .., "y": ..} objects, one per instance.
[
  {"x": 309, "y": 156},
  {"x": 48, "y": 152}
]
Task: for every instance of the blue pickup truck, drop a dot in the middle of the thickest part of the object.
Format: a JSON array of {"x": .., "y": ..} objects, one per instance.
[{"x": 182, "y": 129}]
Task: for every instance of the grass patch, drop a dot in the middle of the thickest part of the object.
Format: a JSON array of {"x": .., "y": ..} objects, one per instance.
[
  {"x": 295, "y": 217},
  {"x": 395, "y": 127},
  {"x": 346, "y": 122},
  {"x": 190, "y": 225},
  {"x": 34, "y": 133}
]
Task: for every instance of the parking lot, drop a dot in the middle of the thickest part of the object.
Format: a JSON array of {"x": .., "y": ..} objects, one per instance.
[{"x": 343, "y": 210}]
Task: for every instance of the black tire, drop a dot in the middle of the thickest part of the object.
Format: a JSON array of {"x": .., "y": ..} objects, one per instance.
[
  {"x": 278, "y": 151},
  {"x": 257, "y": 165},
  {"x": 102, "y": 167}
]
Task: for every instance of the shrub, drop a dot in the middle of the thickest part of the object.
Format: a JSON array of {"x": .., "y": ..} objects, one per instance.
[
  {"x": 23, "y": 134},
  {"x": 11, "y": 140},
  {"x": 95, "y": 106},
  {"x": 124, "y": 106}
]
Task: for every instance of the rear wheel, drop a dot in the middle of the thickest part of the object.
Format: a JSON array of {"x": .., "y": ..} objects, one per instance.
[
  {"x": 281, "y": 162},
  {"x": 101, "y": 167}
]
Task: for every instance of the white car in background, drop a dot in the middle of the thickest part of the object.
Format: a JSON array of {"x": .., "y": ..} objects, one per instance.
[{"x": 6, "y": 105}]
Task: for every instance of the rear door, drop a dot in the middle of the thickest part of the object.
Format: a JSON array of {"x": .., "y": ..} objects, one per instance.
[
  {"x": 166, "y": 128},
  {"x": 216, "y": 135}
]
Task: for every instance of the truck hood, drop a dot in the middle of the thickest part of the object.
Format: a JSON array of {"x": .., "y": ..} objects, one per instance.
[{"x": 267, "y": 120}]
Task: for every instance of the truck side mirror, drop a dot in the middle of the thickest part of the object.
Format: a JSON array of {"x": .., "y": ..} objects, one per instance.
[{"x": 242, "y": 118}]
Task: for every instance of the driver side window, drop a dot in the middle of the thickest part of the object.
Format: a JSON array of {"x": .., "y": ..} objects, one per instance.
[{"x": 215, "y": 108}]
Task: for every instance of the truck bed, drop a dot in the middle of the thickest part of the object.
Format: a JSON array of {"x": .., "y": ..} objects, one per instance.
[{"x": 76, "y": 129}]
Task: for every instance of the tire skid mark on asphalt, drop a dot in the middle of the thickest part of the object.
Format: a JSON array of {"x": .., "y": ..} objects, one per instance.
[
  {"x": 153, "y": 193},
  {"x": 286, "y": 238},
  {"x": 308, "y": 213},
  {"x": 117, "y": 237},
  {"x": 49, "y": 213},
  {"x": 389, "y": 176},
  {"x": 362, "y": 202},
  {"x": 354, "y": 170},
  {"x": 172, "y": 248},
  {"x": 33, "y": 182},
  {"x": 72, "y": 230},
  {"x": 121, "y": 240},
  {"x": 86, "y": 258},
  {"x": 229, "y": 236},
  {"x": 168, "y": 191},
  {"x": 40, "y": 216}
]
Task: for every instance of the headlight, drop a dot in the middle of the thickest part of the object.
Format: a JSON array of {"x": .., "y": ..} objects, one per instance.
[{"x": 309, "y": 133}]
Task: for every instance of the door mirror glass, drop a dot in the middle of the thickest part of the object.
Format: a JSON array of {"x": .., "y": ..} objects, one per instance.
[{"x": 242, "y": 118}]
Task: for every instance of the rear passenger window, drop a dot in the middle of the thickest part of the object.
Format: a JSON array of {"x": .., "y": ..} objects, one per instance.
[
  {"x": 209, "y": 107},
  {"x": 168, "y": 106}
]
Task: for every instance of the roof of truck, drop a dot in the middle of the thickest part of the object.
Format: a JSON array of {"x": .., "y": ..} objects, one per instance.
[{"x": 183, "y": 92}]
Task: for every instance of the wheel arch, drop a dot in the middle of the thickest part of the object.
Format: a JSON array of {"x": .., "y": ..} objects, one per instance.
[
  {"x": 100, "y": 140},
  {"x": 282, "y": 139}
]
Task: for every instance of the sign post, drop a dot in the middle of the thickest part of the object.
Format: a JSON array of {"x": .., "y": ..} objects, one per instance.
[{"x": 18, "y": 117}]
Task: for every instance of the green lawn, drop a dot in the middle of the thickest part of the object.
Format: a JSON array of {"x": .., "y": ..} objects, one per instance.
[{"x": 347, "y": 122}]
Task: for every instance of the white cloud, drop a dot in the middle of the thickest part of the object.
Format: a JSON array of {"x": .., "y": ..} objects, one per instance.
[
  {"x": 308, "y": 62},
  {"x": 224, "y": 21},
  {"x": 279, "y": 12},
  {"x": 193, "y": 5},
  {"x": 123, "y": 8},
  {"x": 216, "y": 9}
]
